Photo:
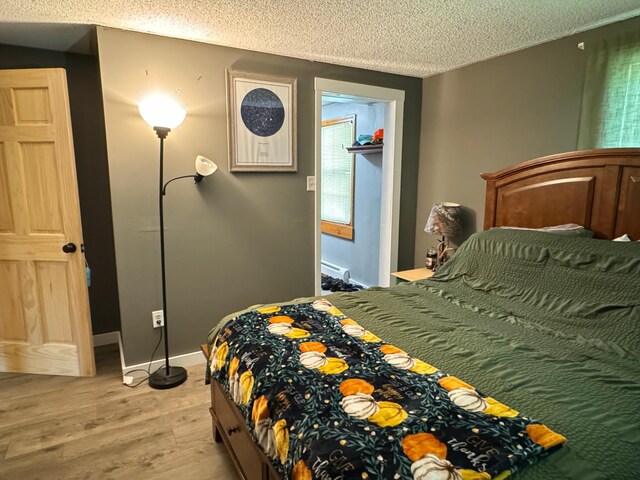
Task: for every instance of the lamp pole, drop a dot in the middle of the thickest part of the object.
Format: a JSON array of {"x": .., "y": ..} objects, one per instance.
[
  {"x": 162, "y": 134},
  {"x": 171, "y": 376}
]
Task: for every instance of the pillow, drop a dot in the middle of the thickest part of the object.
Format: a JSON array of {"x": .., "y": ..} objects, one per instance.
[
  {"x": 568, "y": 229},
  {"x": 577, "y": 232},
  {"x": 624, "y": 238}
]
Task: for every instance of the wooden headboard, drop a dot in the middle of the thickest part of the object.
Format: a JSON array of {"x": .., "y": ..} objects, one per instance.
[{"x": 599, "y": 189}]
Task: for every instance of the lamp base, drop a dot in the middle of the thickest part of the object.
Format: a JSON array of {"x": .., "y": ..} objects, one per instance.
[{"x": 161, "y": 381}]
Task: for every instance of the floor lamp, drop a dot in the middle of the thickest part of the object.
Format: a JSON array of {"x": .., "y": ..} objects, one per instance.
[{"x": 163, "y": 114}]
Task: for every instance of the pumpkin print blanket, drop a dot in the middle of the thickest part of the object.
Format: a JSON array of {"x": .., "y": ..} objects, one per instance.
[{"x": 327, "y": 399}]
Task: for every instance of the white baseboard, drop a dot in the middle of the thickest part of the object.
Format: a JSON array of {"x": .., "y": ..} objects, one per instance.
[
  {"x": 122, "y": 358},
  {"x": 351, "y": 280},
  {"x": 186, "y": 360},
  {"x": 108, "y": 338}
]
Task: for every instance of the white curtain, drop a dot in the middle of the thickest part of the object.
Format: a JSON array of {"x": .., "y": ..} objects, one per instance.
[{"x": 611, "y": 98}]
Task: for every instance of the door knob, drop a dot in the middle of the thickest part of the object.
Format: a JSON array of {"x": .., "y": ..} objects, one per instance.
[{"x": 69, "y": 248}]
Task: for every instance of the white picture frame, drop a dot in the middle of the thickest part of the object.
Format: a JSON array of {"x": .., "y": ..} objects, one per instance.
[{"x": 261, "y": 121}]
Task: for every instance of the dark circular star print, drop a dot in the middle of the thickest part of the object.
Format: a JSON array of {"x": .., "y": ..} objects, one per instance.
[{"x": 262, "y": 112}]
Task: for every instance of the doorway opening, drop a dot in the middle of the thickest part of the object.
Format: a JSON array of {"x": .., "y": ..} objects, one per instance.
[{"x": 357, "y": 193}]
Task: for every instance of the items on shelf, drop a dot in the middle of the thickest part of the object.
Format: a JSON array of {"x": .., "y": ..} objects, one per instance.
[{"x": 375, "y": 139}]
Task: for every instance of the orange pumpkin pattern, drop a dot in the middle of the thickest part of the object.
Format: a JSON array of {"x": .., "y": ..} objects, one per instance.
[{"x": 326, "y": 398}]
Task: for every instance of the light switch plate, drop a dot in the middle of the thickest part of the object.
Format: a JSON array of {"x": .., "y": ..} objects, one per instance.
[{"x": 311, "y": 184}]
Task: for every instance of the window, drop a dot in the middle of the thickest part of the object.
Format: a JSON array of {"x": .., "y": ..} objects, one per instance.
[
  {"x": 611, "y": 100},
  {"x": 337, "y": 177}
]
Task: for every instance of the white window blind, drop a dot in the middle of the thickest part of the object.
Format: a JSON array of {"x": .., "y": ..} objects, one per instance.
[{"x": 337, "y": 171}]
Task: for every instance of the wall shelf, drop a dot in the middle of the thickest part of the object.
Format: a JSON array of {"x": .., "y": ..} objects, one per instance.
[{"x": 364, "y": 149}]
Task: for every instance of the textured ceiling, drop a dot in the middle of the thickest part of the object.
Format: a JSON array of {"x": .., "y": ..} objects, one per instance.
[{"x": 411, "y": 37}]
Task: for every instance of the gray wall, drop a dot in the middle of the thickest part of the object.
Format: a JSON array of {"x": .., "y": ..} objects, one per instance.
[
  {"x": 496, "y": 113},
  {"x": 360, "y": 255},
  {"x": 236, "y": 239},
  {"x": 85, "y": 99}
]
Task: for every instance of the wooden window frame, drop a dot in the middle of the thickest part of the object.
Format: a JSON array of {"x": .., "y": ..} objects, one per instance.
[{"x": 343, "y": 230}]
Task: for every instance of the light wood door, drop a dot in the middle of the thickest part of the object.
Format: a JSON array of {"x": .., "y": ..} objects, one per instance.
[{"x": 44, "y": 308}]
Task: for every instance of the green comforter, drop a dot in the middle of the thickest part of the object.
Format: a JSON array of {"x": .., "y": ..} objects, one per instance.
[{"x": 547, "y": 324}]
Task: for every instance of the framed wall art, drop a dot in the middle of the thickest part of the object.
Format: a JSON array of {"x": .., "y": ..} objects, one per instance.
[{"x": 261, "y": 118}]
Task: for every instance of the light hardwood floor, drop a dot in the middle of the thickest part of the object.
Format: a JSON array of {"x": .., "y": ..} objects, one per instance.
[{"x": 84, "y": 428}]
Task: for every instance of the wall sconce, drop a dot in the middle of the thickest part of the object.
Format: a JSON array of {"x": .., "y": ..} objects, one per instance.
[{"x": 163, "y": 113}]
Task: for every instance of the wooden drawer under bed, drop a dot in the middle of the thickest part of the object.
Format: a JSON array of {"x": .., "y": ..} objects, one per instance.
[{"x": 229, "y": 427}]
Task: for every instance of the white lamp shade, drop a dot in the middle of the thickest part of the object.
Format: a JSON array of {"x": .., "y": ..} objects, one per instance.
[
  {"x": 204, "y": 166},
  {"x": 160, "y": 110}
]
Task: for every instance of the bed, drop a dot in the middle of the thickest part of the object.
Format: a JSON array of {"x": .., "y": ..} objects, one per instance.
[{"x": 525, "y": 347}]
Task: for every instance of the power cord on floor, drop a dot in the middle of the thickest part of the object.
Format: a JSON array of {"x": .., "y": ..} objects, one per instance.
[{"x": 148, "y": 369}]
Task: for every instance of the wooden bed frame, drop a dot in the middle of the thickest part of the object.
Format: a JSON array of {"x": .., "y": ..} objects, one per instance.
[{"x": 599, "y": 189}]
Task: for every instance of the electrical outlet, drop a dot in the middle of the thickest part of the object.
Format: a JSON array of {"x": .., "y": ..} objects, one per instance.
[{"x": 158, "y": 318}]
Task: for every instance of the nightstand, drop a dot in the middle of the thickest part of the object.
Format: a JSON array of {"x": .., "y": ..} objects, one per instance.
[{"x": 421, "y": 273}]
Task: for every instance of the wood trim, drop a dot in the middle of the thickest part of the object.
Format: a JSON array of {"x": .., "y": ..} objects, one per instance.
[
  {"x": 602, "y": 157},
  {"x": 345, "y": 119},
  {"x": 337, "y": 229},
  {"x": 342, "y": 230}
]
